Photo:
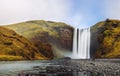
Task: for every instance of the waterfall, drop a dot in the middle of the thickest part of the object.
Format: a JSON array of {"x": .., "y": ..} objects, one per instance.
[
  {"x": 75, "y": 42},
  {"x": 81, "y": 43}
]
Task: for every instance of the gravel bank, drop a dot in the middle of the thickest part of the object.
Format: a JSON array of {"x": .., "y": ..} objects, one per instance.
[{"x": 70, "y": 67}]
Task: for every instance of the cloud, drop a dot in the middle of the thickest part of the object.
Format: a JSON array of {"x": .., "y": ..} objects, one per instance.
[
  {"x": 79, "y": 13},
  {"x": 12, "y": 11}
]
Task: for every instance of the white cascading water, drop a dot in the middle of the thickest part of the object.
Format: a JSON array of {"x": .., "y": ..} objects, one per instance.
[
  {"x": 81, "y": 43},
  {"x": 75, "y": 42}
]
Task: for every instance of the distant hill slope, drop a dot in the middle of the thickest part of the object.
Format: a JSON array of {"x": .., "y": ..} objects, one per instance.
[
  {"x": 106, "y": 39},
  {"x": 16, "y": 47},
  {"x": 41, "y": 33}
]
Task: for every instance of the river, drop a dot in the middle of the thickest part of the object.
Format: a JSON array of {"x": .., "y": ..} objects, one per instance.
[{"x": 12, "y": 68}]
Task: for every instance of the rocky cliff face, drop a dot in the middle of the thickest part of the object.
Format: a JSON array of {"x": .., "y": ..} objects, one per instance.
[
  {"x": 96, "y": 30},
  {"x": 107, "y": 37},
  {"x": 55, "y": 35},
  {"x": 16, "y": 47},
  {"x": 47, "y": 35}
]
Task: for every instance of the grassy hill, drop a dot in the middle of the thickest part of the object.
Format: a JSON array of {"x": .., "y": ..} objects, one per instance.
[
  {"x": 36, "y": 27},
  {"x": 45, "y": 34},
  {"x": 108, "y": 39},
  {"x": 16, "y": 47}
]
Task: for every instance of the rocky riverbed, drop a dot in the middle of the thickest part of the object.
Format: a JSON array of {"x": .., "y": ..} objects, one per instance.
[{"x": 70, "y": 67}]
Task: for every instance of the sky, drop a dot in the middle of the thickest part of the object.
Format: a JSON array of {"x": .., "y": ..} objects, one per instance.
[{"x": 78, "y": 13}]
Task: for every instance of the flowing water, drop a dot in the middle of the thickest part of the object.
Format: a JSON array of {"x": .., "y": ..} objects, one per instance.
[
  {"x": 12, "y": 68},
  {"x": 81, "y": 49},
  {"x": 81, "y": 43}
]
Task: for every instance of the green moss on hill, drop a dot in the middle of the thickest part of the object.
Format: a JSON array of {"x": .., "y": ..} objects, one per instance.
[
  {"x": 109, "y": 39},
  {"x": 15, "y": 47}
]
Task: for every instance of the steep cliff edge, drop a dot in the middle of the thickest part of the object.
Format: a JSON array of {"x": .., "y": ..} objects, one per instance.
[
  {"x": 95, "y": 31},
  {"x": 16, "y": 47},
  {"x": 106, "y": 39}
]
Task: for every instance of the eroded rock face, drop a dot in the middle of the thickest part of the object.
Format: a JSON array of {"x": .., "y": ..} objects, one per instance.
[
  {"x": 43, "y": 45},
  {"x": 66, "y": 38},
  {"x": 94, "y": 44}
]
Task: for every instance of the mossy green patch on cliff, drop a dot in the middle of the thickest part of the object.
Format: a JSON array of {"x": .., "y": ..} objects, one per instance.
[
  {"x": 15, "y": 47},
  {"x": 109, "y": 40}
]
